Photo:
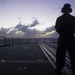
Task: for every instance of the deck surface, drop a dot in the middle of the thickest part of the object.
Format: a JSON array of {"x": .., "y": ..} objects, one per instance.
[{"x": 24, "y": 59}]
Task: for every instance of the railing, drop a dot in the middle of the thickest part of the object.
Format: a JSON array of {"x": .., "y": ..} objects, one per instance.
[{"x": 11, "y": 41}]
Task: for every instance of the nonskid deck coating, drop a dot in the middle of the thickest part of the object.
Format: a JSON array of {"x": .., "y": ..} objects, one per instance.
[{"x": 24, "y": 59}]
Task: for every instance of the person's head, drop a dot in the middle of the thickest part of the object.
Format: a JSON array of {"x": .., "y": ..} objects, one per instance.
[{"x": 66, "y": 8}]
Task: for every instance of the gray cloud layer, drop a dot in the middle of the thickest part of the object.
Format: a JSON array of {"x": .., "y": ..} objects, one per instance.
[
  {"x": 50, "y": 29},
  {"x": 35, "y": 22},
  {"x": 26, "y": 31}
]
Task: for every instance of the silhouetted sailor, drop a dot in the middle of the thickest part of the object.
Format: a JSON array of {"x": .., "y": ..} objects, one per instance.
[{"x": 65, "y": 27}]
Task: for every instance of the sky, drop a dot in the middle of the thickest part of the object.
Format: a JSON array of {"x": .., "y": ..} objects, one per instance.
[{"x": 37, "y": 16}]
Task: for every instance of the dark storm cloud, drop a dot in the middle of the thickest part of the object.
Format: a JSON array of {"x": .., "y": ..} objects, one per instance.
[
  {"x": 32, "y": 33},
  {"x": 22, "y": 28},
  {"x": 52, "y": 35},
  {"x": 26, "y": 30},
  {"x": 3, "y": 31},
  {"x": 35, "y": 22},
  {"x": 11, "y": 32},
  {"x": 50, "y": 29}
]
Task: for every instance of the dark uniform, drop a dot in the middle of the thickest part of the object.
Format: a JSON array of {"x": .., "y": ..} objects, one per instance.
[{"x": 65, "y": 27}]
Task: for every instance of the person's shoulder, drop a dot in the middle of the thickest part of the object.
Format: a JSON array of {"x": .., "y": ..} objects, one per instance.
[
  {"x": 72, "y": 16},
  {"x": 60, "y": 17}
]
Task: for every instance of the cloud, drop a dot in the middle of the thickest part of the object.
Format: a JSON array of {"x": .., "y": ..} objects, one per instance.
[
  {"x": 52, "y": 34},
  {"x": 19, "y": 18},
  {"x": 26, "y": 31},
  {"x": 50, "y": 29},
  {"x": 22, "y": 31},
  {"x": 3, "y": 31},
  {"x": 35, "y": 22},
  {"x": 31, "y": 33},
  {"x": 22, "y": 27},
  {"x": 12, "y": 31}
]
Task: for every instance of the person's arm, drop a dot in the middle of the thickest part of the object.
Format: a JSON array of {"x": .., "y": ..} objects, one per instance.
[
  {"x": 57, "y": 26},
  {"x": 74, "y": 26}
]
